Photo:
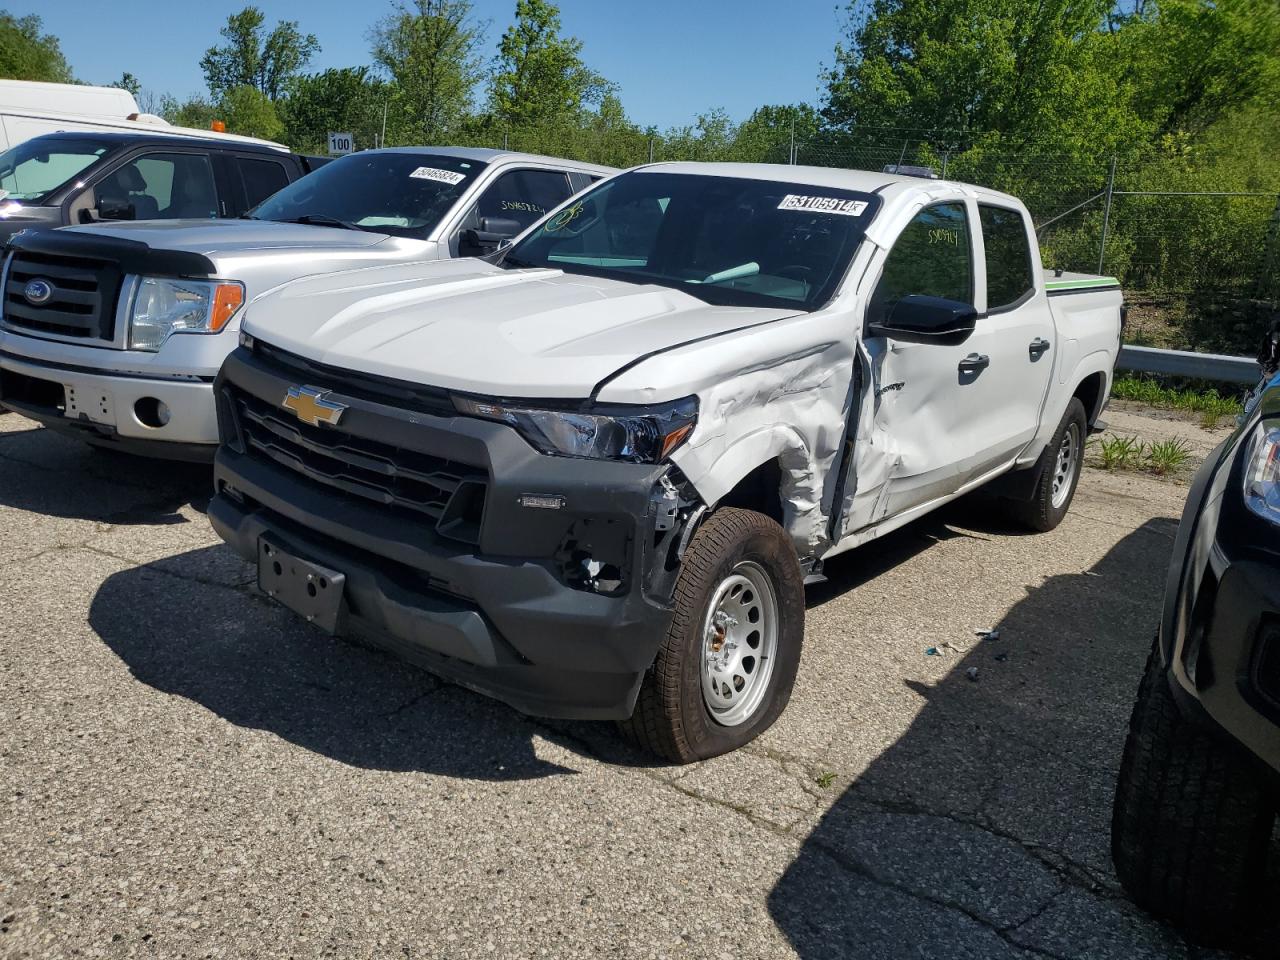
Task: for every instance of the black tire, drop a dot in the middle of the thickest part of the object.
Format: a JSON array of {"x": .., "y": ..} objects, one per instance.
[
  {"x": 671, "y": 718},
  {"x": 1192, "y": 820},
  {"x": 1039, "y": 512}
]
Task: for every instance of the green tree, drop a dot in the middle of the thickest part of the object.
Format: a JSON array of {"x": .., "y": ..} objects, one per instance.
[
  {"x": 1197, "y": 60},
  {"x": 766, "y": 135},
  {"x": 129, "y": 82},
  {"x": 27, "y": 54},
  {"x": 247, "y": 111},
  {"x": 194, "y": 112},
  {"x": 346, "y": 98},
  {"x": 254, "y": 58},
  {"x": 430, "y": 52},
  {"x": 711, "y": 137},
  {"x": 538, "y": 75}
]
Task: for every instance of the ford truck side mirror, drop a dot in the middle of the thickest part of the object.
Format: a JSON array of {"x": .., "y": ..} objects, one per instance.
[
  {"x": 490, "y": 235},
  {"x": 109, "y": 210},
  {"x": 921, "y": 319}
]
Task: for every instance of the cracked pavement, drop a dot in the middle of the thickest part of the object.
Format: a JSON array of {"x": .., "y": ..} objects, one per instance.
[{"x": 186, "y": 770}]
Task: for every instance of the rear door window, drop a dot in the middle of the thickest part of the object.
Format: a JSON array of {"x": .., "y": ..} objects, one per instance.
[
  {"x": 261, "y": 178},
  {"x": 1008, "y": 256}
]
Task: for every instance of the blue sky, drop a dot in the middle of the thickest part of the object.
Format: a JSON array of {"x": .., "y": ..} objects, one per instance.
[{"x": 671, "y": 59}]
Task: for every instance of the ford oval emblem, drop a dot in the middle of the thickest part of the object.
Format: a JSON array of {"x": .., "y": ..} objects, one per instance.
[{"x": 38, "y": 291}]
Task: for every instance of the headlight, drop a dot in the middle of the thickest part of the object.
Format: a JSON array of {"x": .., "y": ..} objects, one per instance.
[
  {"x": 1262, "y": 472},
  {"x": 633, "y": 434},
  {"x": 161, "y": 307}
]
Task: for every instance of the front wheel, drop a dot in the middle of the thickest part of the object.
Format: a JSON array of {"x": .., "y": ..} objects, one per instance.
[
  {"x": 1191, "y": 822},
  {"x": 1059, "y": 467},
  {"x": 726, "y": 667}
]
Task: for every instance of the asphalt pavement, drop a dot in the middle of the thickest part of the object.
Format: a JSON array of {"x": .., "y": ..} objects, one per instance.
[{"x": 187, "y": 770}]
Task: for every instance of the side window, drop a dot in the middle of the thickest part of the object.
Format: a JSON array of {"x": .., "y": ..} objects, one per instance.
[
  {"x": 524, "y": 195},
  {"x": 1004, "y": 233},
  {"x": 162, "y": 185},
  {"x": 932, "y": 257},
  {"x": 261, "y": 179}
]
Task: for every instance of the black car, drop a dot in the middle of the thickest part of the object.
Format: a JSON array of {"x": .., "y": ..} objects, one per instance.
[
  {"x": 1199, "y": 783},
  {"x": 86, "y": 176}
]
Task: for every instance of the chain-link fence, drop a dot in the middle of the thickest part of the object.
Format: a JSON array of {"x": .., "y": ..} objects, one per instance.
[{"x": 1201, "y": 269}]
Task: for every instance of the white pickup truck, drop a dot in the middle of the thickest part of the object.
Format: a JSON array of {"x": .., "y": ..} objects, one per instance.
[
  {"x": 114, "y": 332},
  {"x": 591, "y": 475}
]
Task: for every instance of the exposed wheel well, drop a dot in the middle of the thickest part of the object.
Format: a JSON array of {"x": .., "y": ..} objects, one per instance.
[
  {"x": 1089, "y": 393},
  {"x": 758, "y": 491}
]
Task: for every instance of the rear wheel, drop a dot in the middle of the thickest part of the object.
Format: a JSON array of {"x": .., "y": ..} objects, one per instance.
[
  {"x": 726, "y": 667},
  {"x": 1059, "y": 467},
  {"x": 1192, "y": 820}
]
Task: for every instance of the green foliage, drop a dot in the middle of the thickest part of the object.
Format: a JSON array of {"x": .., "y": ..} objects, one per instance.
[
  {"x": 1166, "y": 456},
  {"x": 129, "y": 82},
  {"x": 27, "y": 54},
  {"x": 252, "y": 57},
  {"x": 339, "y": 99},
  {"x": 766, "y": 136},
  {"x": 1154, "y": 394},
  {"x": 538, "y": 75},
  {"x": 710, "y": 138},
  {"x": 430, "y": 54},
  {"x": 195, "y": 112},
  {"x": 247, "y": 111},
  {"x": 1120, "y": 453}
]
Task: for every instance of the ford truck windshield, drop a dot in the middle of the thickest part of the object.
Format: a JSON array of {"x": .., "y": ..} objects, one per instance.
[
  {"x": 35, "y": 169},
  {"x": 724, "y": 240},
  {"x": 403, "y": 194}
]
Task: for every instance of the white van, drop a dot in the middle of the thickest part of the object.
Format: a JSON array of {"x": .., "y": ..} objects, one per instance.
[{"x": 29, "y": 109}]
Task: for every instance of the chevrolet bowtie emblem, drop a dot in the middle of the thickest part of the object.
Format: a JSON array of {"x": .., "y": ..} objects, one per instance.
[{"x": 310, "y": 406}]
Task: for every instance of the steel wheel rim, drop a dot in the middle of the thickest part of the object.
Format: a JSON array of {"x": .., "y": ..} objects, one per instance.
[
  {"x": 1064, "y": 467},
  {"x": 739, "y": 644}
]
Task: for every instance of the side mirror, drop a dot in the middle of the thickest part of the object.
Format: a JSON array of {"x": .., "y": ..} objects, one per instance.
[
  {"x": 921, "y": 319},
  {"x": 109, "y": 210},
  {"x": 491, "y": 234}
]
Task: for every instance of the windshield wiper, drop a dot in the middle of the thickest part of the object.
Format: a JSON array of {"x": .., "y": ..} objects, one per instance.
[{"x": 320, "y": 220}]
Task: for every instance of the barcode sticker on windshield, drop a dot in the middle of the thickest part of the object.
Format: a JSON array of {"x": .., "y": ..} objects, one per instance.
[
  {"x": 435, "y": 173},
  {"x": 844, "y": 208}
]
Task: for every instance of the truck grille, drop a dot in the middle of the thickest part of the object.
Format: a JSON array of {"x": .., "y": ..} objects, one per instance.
[
  {"x": 449, "y": 494},
  {"x": 81, "y": 299}
]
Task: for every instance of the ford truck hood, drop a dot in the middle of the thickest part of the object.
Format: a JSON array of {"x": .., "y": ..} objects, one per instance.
[
  {"x": 230, "y": 237},
  {"x": 467, "y": 325}
]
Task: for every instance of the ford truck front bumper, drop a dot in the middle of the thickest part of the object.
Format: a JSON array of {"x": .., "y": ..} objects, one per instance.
[{"x": 541, "y": 581}]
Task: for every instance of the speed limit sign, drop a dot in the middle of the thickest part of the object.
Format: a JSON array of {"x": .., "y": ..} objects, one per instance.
[{"x": 341, "y": 143}]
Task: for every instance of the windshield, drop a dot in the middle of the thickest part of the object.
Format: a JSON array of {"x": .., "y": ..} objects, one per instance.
[
  {"x": 725, "y": 240},
  {"x": 404, "y": 194},
  {"x": 35, "y": 169}
]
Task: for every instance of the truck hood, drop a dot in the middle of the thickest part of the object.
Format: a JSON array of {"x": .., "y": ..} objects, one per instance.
[
  {"x": 213, "y": 237},
  {"x": 467, "y": 325}
]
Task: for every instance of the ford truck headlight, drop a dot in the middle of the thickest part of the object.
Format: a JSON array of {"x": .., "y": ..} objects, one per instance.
[
  {"x": 632, "y": 434},
  {"x": 1262, "y": 472},
  {"x": 162, "y": 307}
]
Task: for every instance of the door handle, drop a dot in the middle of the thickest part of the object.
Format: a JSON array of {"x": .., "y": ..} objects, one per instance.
[
  {"x": 1037, "y": 348},
  {"x": 975, "y": 362}
]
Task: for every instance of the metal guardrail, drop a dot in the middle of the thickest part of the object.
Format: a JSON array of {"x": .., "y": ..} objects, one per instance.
[{"x": 1181, "y": 363}]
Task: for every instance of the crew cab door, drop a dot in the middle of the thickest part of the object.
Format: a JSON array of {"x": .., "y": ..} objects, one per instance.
[
  {"x": 1016, "y": 333},
  {"x": 953, "y": 412}
]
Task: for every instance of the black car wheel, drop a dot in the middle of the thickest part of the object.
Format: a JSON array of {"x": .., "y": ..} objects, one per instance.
[
  {"x": 726, "y": 667},
  {"x": 1192, "y": 819}
]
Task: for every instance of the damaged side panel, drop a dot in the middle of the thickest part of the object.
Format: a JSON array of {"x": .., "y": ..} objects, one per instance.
[{"x": 792, "y": 409}]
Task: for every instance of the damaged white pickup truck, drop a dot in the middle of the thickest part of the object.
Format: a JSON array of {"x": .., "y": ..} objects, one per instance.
[{"x": 591, "y": 475}]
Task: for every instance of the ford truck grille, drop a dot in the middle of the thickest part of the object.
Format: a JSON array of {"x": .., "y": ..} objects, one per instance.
[
  {"x": 449, "y": 494},
  {"x": 67, "y": 296}
]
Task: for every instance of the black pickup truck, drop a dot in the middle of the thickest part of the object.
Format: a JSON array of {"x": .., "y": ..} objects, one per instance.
[{"x": 88, "y": 176}]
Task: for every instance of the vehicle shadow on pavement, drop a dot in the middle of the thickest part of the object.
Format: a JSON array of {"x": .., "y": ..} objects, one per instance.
[
  {"x": 991, "y": 815},
  {"x": 195, "y": 627},
  {"x": 45, "y": 473}
]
